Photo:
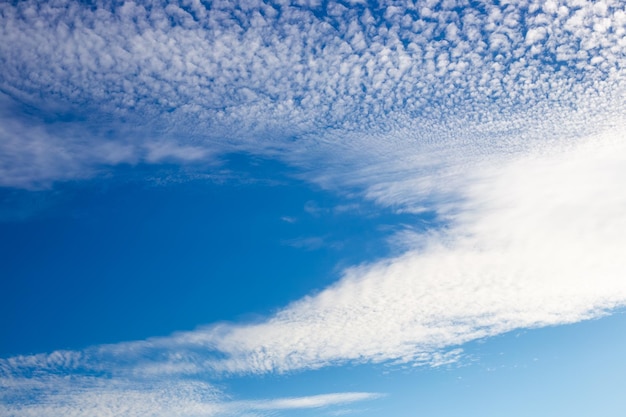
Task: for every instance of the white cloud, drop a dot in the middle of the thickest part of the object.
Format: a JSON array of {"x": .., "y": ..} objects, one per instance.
[
  {"x": 535, "y": 35},
  {"x": 533, "y": 241}
]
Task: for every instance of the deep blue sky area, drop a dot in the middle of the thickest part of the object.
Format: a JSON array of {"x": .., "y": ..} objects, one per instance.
[{"x": 121, "y": 259}]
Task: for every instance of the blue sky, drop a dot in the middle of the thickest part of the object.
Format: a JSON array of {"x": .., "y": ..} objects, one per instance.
[{"x": 312, "y": 208}]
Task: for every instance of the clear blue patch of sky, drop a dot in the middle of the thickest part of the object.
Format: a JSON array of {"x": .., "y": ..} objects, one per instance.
[{"x": 120, "y": 258}]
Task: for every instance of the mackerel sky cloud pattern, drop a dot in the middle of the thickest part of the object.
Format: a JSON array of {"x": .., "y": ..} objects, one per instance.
[
  {"x": 506, "y": 119},
  {"x": 277, "y": 73}
]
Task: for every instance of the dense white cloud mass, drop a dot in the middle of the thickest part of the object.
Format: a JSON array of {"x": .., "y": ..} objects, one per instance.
[
  {"x": 506, "y": 119},
  {"x": 537, "y": 242}
]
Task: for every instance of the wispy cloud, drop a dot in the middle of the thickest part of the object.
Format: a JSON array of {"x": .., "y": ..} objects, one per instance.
[
  {"x": 82, "y": 396},
  {"x": 315, "y": 401}
]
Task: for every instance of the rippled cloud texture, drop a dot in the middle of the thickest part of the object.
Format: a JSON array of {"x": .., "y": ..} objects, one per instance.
[{"x": 506, "y": 119}]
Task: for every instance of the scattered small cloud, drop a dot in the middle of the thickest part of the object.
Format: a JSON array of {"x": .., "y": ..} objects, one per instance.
[
  {"x": 312, "y": 243},
  {"x": 351, "y": 208},
  {"x": 308, "y": 243},
  {"x": 313, "y": 208}
]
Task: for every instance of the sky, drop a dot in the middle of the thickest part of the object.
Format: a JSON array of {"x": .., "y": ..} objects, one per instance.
[{"x": 312, "y": 208}]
